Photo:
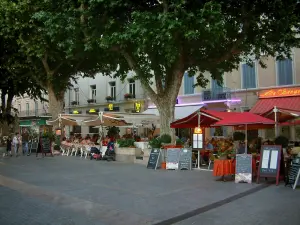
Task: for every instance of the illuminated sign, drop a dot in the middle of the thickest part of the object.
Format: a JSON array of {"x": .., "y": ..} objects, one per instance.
[
  {"x": 197, "y": 130},
  {"x": 92, "y": 111},
  {"x": 110, "y": 107},
  {"x": 282, "y": 92},
  {"x": 75, "y": 112},
  {"x": 137, "y": 107}
]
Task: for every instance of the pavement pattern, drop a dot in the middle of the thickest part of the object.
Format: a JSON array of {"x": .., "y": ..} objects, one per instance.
[{"x": 71, "y": 190}]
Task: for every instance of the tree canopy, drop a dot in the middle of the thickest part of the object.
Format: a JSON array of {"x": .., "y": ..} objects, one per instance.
[
  {"x": 162, "y": 39},
  {"x": 50, "y": 34},
  {"x": 157, "y": 39}
]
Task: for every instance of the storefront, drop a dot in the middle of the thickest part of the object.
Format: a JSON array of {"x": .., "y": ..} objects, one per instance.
[
  {"x": 38, "y": 124},
  {"x": 280, "y": 105}
]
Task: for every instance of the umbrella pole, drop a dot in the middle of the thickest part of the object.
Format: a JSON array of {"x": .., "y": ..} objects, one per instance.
[
  {"x": 276, "y": 125},
  {"x": 246, "y": 140}
]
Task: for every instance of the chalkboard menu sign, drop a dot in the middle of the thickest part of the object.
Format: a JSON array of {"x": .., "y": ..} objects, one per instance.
[
  {"x": 153, "y": 159},
  {"x": 185, "y": 159},
  {"x": 293, "y": 173},
  {"x": 46, "y": 145},
  {"x": 172, "y": 161},
  {"x": 269, "y": 165},
  {"x": 243, "y": 169}
]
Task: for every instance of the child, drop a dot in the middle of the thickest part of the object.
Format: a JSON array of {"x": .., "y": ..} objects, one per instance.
[{"x": 8, "y": 146}]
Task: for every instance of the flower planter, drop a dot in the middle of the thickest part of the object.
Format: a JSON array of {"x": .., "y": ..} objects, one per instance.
[{"x": 127, "y": 154}]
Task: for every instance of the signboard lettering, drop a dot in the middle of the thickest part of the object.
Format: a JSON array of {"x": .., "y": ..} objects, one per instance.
[
  {"x": 185, "y": 159},
  {"x": 282, "y": 92},
  {"x": 153, "y": 159},
  {"x": 269, "y": 165},
  {"x": 243, "y": 169},
  {"x": 172, "y": 161}
]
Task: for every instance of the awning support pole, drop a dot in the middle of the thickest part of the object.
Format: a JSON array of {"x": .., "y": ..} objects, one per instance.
[{"x": 275, "y": 110}]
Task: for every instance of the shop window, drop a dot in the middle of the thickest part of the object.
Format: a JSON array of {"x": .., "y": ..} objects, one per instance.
[
  {"x": 77, "y": 129},
  {"x": 284, "y": 70},
  {"x": 93, "y": 130},
  {"x": 36, "y": 108},
  {"x": 188, "y": 84},
  {"x": 248, "y": 76}
]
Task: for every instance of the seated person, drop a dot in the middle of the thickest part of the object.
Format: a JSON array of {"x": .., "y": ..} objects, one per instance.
[
  {"x": 296, "y": 149},
  {"x": 110, "y": 147}
]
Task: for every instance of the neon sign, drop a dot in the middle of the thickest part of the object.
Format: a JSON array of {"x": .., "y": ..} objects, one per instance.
[
  {"x": 137, "y": 107},
  {"x": 282, "y": 92},
  {"x": 110, "y": 107}
]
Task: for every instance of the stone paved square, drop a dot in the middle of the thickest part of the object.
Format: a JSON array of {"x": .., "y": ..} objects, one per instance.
[{"x": 73, "y": 190}]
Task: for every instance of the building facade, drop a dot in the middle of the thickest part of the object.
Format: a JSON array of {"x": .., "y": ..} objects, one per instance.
[
  {"x": 240, "y": 91},
  {"x": 103, "y": 93}
]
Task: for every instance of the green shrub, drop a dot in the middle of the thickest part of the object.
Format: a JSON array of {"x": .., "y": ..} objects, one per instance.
[
  {"x": 165, "y": 138},
  {"x": 125, "y": 143},
  {"x": 155, "y": 143},
  {"x": 179, "y": 142}
]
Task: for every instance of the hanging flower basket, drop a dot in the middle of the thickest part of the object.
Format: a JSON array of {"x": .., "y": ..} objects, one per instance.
[
  {"x": 128, "y": 95},
  {"x": 109, "y": 98}
]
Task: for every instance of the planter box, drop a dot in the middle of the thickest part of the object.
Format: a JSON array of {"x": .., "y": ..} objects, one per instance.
[{"x": 127, "y": 154}]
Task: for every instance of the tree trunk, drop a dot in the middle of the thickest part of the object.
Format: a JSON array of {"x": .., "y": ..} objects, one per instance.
[
  {"x": 56, "y": 103},
  {"x": 166, "y": 112}
]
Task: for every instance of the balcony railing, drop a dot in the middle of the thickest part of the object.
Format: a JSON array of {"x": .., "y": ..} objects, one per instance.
[
  {"x": 216, "y": 94},
  {"x": 32, "y": 113}
]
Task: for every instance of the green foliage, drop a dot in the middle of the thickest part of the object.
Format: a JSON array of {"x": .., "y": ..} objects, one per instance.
[
  {"x": 179, "y": 142},
  {"x": 165, "y": 138},
  {"x": 50, "y": 134},
  {"x": 155, "y": 143},
  {"x": 113, "y": 131},
  {"x": 238, "y": 136},
  {"x": 282, "y": 140},
  {"x": 125, "y": 143}
]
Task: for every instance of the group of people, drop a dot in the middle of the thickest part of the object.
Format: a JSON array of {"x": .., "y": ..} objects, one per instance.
[{"x": 16, "y": 142}]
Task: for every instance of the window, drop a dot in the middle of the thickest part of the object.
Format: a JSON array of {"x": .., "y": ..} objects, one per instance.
[
  {"x": 93, "y": 92},
  {"x": 197, "y": 140},
  {"x": 36, "y": 108},
  {"x": 76, "y": 95},
  {"x": 248, "y": 76},
  {"x": 27, "y": 109},
  {"x": 188, "y": 84},
  {"x": 93, "y": 130},
  {"x": 132, "y": 87},
  {"x": 113, "y": 89},
  {"x": 19, "y": 108},
  {"x": 77, "y": 129},
  {"x": 284, "y": 70},
  {"x": 215, "y": 86}
]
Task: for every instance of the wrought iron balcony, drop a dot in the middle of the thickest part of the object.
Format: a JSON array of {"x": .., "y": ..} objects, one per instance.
[
  {"x": 33, "y": 113},
  {"x": 216, "y": 94}
]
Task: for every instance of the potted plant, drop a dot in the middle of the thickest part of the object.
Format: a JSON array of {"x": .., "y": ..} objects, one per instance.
[
  {"x": 128, "y": 95},
  {"x": 91, "y": 101},
  {"x": 109, "y": 98},
  {"x": 74, "y": 103}
]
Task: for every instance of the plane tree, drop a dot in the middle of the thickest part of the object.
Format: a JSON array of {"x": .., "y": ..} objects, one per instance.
[{"x": 160, "y": 40}]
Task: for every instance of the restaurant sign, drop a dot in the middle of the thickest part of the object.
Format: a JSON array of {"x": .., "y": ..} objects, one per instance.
[{"x": 282, "y": 92}]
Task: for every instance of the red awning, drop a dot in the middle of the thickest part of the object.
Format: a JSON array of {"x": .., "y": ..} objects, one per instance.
[
  {"x": 267, "y": 104},
  {"x": 207, "y": 118},
  {"x": 283, "y": 115},
  {"x": 240, "y": 119}
]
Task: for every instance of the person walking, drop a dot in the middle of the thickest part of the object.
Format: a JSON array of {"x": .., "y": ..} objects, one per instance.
[
  {"x": 25, "y": 140},
  {"x": 16, "y": 143},
  {"x": 8, "y": 146}
]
